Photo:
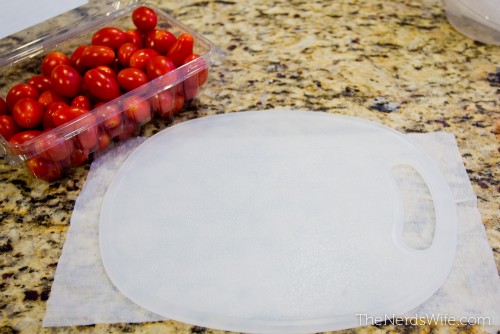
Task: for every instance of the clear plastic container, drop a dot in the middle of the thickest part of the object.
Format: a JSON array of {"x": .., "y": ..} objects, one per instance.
[
  {"x": 51, "y": 154},
  {"x": 476, "y": 19}
]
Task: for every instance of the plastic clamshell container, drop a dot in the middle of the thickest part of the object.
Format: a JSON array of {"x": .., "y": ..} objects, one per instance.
[
  {"x": 52, "y": 153},
  {"x": 476, "y": 19}
]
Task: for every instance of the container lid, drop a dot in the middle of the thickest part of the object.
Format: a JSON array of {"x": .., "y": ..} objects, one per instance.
[{"x": 272, "y": 221}]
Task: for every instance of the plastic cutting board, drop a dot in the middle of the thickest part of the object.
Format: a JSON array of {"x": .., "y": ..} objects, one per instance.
[{"x": 272, "y": 221}]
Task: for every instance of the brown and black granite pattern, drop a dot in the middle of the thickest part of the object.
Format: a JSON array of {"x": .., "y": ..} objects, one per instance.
[{"x": 396, "y": 62}]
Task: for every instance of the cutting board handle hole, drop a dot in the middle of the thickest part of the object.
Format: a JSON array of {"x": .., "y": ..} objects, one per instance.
[{"x": 419, "y": 211}]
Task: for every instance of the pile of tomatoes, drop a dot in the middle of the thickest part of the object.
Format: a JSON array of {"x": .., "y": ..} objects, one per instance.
[{"x": 69, "y": 87}]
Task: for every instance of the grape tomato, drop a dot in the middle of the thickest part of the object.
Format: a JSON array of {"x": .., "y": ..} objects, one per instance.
[
  {"x": 140, "y": 58},
  {"x": 24, "y": 136},
  {"x": 137, "y": 109},
  {"x": 76, "y": 58},
  {"x": 44, "y": 169},
  {"x": 203, "y": 74},
  {"x": 66, "y": 81},
  {"x": 130, "y": 78},
  {"x": 52, "y": 147},
  {"x": 103, "y": 140},
  {"x": 110, "y": 115},
  {"x": 135, "y": 36},
  {"x": 107, "y": 70},
  {"x": 96, "y": 55},
  {"x": 18, "y": 92},
  {"x": 48, "y": 121},
  {"x": 160, "y": 40},
  {"x": 82, "y": 101},
  {"x": 102, "y": 85},
  {"x": 48, "y": 97},
  {"x": 53, "y": 59},
  {"x": 181, "y": 49},
  {"x": 125, "y": 52},
  {"x": 111, "y": 37},
  {"x": 40, "y": 82},
  {"x": 8, "y": 127},
  {"x": 79, "y": 156},
  {"x": 28, "y": 113},
  {"x": 65, "y": 114},
  {"x": 158, "y": 66},
  {"x": 144, "y": 18}
]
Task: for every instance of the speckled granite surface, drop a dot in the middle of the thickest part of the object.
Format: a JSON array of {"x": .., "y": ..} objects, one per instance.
[{"x": 395, "y": 62}]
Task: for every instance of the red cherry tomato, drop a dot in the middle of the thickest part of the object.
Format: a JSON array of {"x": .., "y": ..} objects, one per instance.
[
  {"x": 88, "y": 139},
  {"x": 48, "y": 121},
  {"x": 182, "y": 48},
  {"x": 203, "y": 74},
  {"x": 40, "y": 82},
  {"x": 169, "y": 102},
  {"x": 65, "y": 114},
  {"x": 24, "y": 136},
  {"x": 8, "y": 127},
  {"x": 158, "y": 66},
  {"x": 28, "y": 113},
  {"x": 179, "y": 102},
  {"x": 136, "y": 37},
  {"x": 103, "y": 140},
  {"x": 164, "y": 103},
  {"x": 44, "y": 169},
  {"x": 112, "y": 125},
  {"x": 144, "y": 18},
  {"x": 18, "y": 92},
  {"x": 111, "y": 37},
  {"x": 159, "y": 40},
  {"x": 128, "y": 129},
  {"x": 110, "y": 116},
  {"x": 130, "y": 78},
  {"x": 140, "y": 58},
  {"x": 66, "y": 81},
  {"x": 102, "y": 85},
  {"x": 106, "y": 69},
  {"x": 52, "y": 60},
  {"x": 80, "y": 119},
  {"x": 79, "y": 156},
  {"x": 97, "y": 55},
  {"x": 53, "y": 147},
  {"x": 192, "y": 83},
  {"x": 3, "y": 107},
  {"x": 125, "y": 51},
  {"x": 191, "y": 87},
  {"x": 76, "y": 59},
  {"x": 82, "y": 101},
  {"x": 137, "y": 109},
  {"x": 48, "y": 97}
]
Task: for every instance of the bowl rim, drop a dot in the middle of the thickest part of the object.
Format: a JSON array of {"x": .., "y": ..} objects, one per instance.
[{"x": 485, "y": 19}]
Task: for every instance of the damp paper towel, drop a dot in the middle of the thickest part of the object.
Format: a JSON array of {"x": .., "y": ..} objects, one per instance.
[{"x": 82, "y": 293}]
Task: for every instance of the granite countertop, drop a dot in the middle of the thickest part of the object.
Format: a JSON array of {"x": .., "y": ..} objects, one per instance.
[{"x": 398, "y": 62}]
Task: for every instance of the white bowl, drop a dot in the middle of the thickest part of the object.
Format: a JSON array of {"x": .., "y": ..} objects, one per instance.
[{"x": 476, "y": 19}]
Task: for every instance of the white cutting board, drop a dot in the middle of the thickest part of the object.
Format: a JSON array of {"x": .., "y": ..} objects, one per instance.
[{"x": 272, "y": 221}]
